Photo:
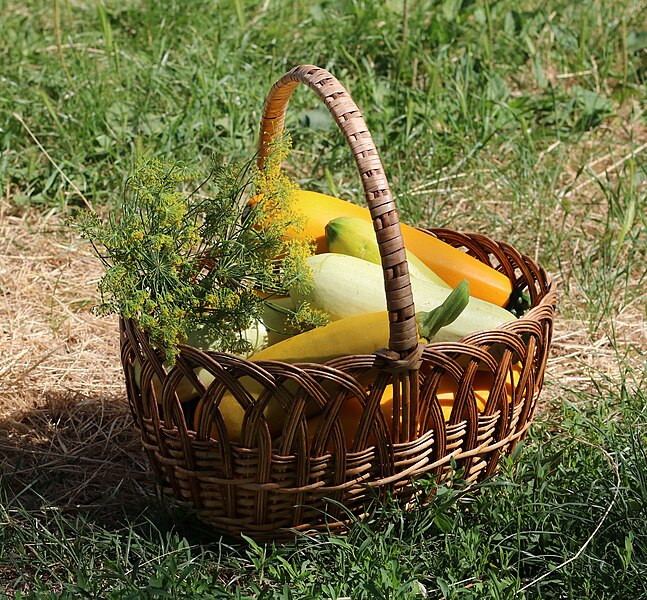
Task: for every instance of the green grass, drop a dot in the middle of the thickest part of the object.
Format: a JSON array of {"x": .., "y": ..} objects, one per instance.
[
  {"x": 578, "y": 490},
  {"x": 523, "y": 120},
  {"x": 100, "y": 84}
]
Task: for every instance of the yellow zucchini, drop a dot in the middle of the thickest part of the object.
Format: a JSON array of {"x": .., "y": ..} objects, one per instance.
[
  {"x": 233, "y": 413},
  {"x": 360, "y": 334}
]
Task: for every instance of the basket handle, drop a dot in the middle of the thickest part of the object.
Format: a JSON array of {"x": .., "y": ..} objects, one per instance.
[{"x": 403, "y": 334}]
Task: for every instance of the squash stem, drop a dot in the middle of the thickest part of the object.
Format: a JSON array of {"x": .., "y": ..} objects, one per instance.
[{"x": 429, "y": 323}]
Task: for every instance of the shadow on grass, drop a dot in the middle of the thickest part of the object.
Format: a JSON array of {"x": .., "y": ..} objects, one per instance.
[
  {"x": 77, "y": 455},
  {"x": 81, "y": 458}
]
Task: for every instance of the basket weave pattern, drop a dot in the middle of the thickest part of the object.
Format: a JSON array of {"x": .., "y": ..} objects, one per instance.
[{"x": 269, "y": 482}]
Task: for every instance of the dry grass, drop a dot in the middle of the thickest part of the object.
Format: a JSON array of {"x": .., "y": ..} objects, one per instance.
[
  {"x": 65, "y": 426},
  {"x": 579, "y": 358},
  {"x": 49, "y": 342}
]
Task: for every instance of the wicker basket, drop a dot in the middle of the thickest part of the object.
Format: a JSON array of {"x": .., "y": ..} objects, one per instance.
[{"x": 268, "y": 486}]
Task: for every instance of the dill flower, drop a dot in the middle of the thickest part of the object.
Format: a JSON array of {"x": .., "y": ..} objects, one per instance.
[{"x": 175, "y": 260}]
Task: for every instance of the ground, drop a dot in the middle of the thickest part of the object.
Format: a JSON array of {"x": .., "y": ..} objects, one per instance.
[
  {"x": 64, "y": 418},
  {"x": 65, "y": 426}
]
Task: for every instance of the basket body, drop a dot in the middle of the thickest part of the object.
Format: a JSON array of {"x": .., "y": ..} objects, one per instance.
[
  {"x": 271, "y": 482},
  {"x": 296, "y": 466}
]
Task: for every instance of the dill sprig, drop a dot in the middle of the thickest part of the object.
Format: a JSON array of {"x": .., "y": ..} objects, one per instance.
[{"x": 175, "y": 260}]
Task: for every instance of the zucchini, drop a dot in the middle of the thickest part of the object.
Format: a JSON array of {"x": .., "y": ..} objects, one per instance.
[
  {"x": 362, "y": 333},
  {"x": 356, "y": 237},
  {"x": 345, "y": 286},
  {"x": 450, "y": 264}
]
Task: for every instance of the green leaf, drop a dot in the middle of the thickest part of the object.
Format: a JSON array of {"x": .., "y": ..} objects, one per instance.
[
  {"x": 591, "y": 102},
  {"x": 538, "y": 70},
  {"x": 451, "y": 8},
  {"x": 628, "y": 222},
  {"x": 636, "y": 41},
  {"x": 444, "y": 587},
  {"x": 317, "y": 119},
  {"x": 443, "y": 522}
]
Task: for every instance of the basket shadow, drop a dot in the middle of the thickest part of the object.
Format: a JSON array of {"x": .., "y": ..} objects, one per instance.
[
  {"x": 81, "y": 458},
  {"x": 78, "y": 456}
]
